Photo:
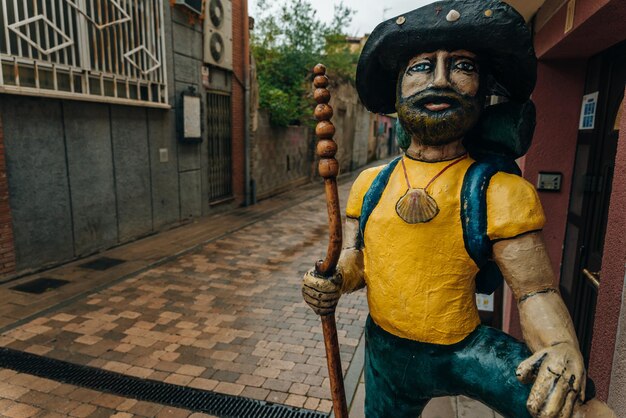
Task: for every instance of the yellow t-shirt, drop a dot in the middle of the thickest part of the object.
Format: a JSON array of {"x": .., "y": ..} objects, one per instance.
[{"x": 420, "y": 278}]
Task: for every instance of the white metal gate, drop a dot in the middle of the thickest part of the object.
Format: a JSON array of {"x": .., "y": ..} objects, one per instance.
[{"x": 96, "y": 50}]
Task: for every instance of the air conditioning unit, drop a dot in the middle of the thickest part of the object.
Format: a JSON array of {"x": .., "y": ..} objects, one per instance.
[{"x": 218, "y": 33}]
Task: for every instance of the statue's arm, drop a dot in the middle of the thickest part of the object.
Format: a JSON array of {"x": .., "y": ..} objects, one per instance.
[
  {"x": 556, "y": 367},
  {"x": 351, "y": 263}
]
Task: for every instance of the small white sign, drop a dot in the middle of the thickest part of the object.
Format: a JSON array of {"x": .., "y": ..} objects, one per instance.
[
  {"x": 164, "y": 155},
  {"x": 192, "y": 117},
  {"x": 549, "y": 182},
  {"x": 588, "y": 111},
  {"x": 485, "y": 303}
]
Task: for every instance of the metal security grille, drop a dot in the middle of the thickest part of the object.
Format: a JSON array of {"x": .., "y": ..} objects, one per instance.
[
  {"x": 213, "y": 403},
  {"x": 219, "y": 146},
  {"x": 97, "y": 50}
]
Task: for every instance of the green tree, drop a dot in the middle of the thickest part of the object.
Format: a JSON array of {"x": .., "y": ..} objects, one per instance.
[{"x": 287, "y": 42}]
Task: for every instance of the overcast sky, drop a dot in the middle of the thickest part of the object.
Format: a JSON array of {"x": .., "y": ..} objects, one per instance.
[{"x": 369, "y": 13}]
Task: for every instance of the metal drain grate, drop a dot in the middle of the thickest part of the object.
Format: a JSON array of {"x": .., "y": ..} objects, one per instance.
[
  {"x": 197, "y": 400},
  {"x": 40, "y": 285},
  {"x": 102, "y": 263}
]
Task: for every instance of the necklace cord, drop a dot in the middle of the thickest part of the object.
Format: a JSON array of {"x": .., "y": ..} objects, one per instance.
[
  {"x": 406, "y": 176},
  {"x": 446, "y": 168}
]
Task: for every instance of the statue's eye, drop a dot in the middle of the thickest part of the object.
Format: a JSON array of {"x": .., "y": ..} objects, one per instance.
[
  {"x": 421, "y": 67},
  {"x": 466, "y": 66}
]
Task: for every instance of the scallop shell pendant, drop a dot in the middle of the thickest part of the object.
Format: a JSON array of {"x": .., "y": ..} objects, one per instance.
[{"x": 416, "y": 207}]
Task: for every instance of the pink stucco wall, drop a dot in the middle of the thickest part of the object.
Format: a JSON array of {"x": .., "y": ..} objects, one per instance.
[
  {"x": 613, "y": 261},
  {"x": 598, "y": 24},
  {"x": 558, "y": 96}
]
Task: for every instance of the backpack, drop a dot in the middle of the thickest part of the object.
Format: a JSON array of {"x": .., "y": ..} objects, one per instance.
[{"x": 503, "y": 135}]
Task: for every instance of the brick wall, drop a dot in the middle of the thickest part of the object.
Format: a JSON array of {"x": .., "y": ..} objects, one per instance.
[
  {"x": 282, "y": 158},
  {"x": 7, "y": 249},
  {"x": 241, "y": 64}
]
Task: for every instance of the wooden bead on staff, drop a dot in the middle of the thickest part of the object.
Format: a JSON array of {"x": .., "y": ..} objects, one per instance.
[{"x": 329, "y": 169}]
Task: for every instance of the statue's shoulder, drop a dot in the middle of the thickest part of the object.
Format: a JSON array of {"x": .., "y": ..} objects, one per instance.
[
  {"x": 513, "y": 207},
  {"x": 359, "y": 188},
  {"x": 369, "y": 174},
  {"x": 505, "y": 186},
  {"x": 365, "y": 179}
]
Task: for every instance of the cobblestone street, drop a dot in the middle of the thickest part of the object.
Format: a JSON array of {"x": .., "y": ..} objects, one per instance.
[
  {"x": 227, "y": 318},
  {"x": 222, "y": 313}
]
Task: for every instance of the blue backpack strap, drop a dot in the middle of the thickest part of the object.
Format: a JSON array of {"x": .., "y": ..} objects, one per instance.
[
  {"x": 373, "y": 195},
  {"x": 474, "y": 219}
]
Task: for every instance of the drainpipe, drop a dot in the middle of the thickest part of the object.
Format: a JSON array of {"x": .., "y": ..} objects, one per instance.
[
  {"x": 246, "y": 39},
  {"x": 248, "y": 189}
]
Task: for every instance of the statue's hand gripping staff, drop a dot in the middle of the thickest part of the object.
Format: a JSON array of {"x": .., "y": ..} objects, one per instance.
[{"x": 325, "y": 270}]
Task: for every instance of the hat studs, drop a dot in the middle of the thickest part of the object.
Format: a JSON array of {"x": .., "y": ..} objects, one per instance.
[
  {"x": 488, "y": 13},
  {"x": 401, "y": 20},
  {"x": 453, "y": 16}
]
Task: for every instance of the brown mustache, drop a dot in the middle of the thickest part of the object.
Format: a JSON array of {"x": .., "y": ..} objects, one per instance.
[{"x": 422, "y": 98}]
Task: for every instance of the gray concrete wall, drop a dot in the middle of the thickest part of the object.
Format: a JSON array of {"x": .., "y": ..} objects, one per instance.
[
  {"x": 131, "y": 167},
  {"x": 38, "y": 180},
  {"x": 187, "y": 61},
  {"x": 617, "y": 389},
  {"x": 187, "y": 64},
  {"x": 91, "y": 177},
  {"x": 84, "y": 177}
]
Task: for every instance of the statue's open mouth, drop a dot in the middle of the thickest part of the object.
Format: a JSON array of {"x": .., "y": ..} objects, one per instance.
[
  {"x": 438, "y": 103},
  {"x": 437, "y": 107}
]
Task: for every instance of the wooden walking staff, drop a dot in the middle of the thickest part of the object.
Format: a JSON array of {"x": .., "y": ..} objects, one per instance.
[{"x": 328, "y": 169}]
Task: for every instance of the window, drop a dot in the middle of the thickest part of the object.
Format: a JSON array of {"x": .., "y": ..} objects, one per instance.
[
  {"x": 97, "y": 50},
  {"x": 588, "y": 112}
]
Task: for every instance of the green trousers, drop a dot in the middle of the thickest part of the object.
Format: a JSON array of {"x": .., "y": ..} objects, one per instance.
[{"x": 402, "y": 375}]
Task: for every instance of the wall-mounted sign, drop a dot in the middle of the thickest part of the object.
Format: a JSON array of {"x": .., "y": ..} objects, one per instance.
[
  {"x": 191, "y": 123},
  {"x": 485, "y": 303},
  {"x": 193, "y": 5},
  {"x": 549, "y": 182},
  {"x": 588, "y": 111}
]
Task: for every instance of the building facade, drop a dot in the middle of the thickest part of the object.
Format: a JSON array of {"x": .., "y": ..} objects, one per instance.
[
  {"x": 119, "y": 119},
  {"x": 578, "y": 162}
]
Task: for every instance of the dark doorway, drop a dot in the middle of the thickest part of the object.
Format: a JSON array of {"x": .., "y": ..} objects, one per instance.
[
  {"x": 220, "y": 184},
  {"x": 591, "y": 191}
]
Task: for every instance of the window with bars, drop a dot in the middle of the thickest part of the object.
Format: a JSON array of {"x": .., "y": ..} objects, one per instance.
[{"x": 96, "y": 50}]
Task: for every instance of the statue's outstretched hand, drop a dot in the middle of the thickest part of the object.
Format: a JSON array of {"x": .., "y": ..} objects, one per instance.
[
  {"x": 321, "y": 293},
  {"x": 560, "y": 379}
]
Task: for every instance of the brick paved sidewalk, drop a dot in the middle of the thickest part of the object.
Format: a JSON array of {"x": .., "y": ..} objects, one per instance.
[
  {"x": 223, "y": 314},
  {"x": 228, "y": 318}
]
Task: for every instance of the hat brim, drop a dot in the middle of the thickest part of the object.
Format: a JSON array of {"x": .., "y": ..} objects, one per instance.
[{"x": 493, "y": 30}]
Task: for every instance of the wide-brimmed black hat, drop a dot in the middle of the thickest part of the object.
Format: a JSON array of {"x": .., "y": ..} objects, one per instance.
[{"x": 490, "y": 28}]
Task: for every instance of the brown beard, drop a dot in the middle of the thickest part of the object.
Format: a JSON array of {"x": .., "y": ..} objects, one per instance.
[{"x": 443, "y": 127}]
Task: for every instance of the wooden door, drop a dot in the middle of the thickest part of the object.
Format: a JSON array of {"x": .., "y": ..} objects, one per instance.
[{"x": 591, "y": 191}]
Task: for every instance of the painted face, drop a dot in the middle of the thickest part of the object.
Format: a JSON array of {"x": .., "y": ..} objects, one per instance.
[{"x": 438, "y": 96}]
